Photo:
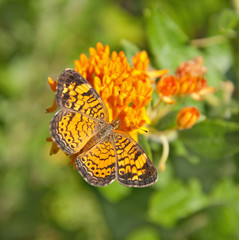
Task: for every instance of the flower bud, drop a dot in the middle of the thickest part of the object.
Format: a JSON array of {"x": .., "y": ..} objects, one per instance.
[{"x": 187, "y": 117}]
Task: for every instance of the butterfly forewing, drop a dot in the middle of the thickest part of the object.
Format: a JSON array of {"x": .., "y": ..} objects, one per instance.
[
  {"x": 72, "y": 130},
  {"x": 75, "y": 93}
]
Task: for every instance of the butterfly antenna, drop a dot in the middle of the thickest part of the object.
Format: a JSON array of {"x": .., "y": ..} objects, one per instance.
[{"x": 141, "y": 129}]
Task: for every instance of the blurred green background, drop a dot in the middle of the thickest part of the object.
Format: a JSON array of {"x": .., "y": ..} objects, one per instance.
[{"x": 197, "y": 197}]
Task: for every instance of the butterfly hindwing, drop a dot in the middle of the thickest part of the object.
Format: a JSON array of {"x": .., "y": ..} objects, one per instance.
[
  {"x": 134, "y": 168},
  {"x": 97, "y": 165}
]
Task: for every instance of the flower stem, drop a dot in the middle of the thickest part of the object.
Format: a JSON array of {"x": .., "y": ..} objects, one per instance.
[{"x": 164, "y": 157}]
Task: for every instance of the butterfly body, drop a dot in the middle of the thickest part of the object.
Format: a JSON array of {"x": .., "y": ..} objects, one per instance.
[
  {"x": 103, "y": 153},
  {"x": 104, "y": 132}
]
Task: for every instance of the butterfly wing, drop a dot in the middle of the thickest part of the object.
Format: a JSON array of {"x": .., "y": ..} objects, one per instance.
[
  {"x": 134, "y": 168},
  {"x": 97, "y": 165},
  {"x": 75, "y": 93},
  {"x": 71, "y": 130}
]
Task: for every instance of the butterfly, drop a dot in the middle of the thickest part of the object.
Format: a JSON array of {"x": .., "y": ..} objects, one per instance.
[{"x": 81, "y": 128}]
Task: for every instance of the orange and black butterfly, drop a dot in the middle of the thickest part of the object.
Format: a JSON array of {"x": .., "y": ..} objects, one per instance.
[{"x": 103, "y": 153}]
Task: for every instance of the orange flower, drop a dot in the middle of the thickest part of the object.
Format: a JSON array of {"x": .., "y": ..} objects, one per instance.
[
  {"x": 167, "y": 87},
  {"x": 187, "y": 117},
  {"x": 189, "y": 79},
  {"x": 193, "y": 67},
  {"x": 189, "y": 84},
  {"x": 53, "y": 88},
  {"x": 125, "y": 89}
]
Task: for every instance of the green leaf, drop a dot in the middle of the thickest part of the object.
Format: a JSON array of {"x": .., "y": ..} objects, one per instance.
[
  {"x": 115, "y": 192},
  {"x": 127, "y": 214},
  {"x": 167, "y": 122},
  {"x": 161, "y": 26},
  {"x": 212, "y": 139},
  {"x": 130, "y": 49},
  {"x": 144, "y": 233},
  {"x": 175, "y": 202},
  {"x": 223, "y": 215},
  {"x": 227, "y": 20},
  {"x": 167, "y": 40},
  {"x": 218, "y": 195}
]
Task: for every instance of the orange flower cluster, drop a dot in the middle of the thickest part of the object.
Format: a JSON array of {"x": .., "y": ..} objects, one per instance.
[
  {"x": 189, "y": 79},
  {"x": 125, "y": 89}
]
